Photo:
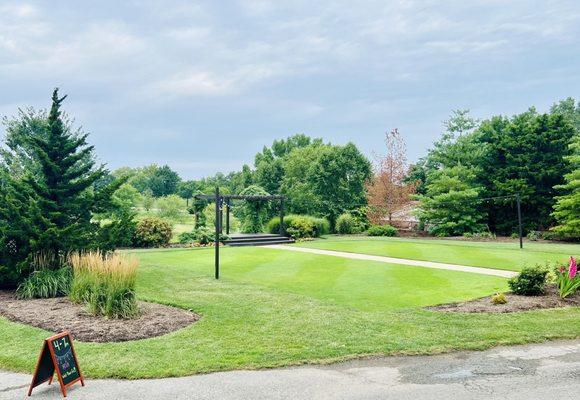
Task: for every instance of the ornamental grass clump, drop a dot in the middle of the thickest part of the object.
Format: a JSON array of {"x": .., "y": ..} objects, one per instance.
[
  {"x": 51, "y": 277},
  {"x": 105, "y": 283},
  {"x": 568, "y": 280}
]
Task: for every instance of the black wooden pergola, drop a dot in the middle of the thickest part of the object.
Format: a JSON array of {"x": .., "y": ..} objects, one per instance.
[{"x": 224, "y": 201}]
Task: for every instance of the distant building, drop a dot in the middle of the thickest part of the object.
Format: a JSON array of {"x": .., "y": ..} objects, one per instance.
[{"x": 404, "y": 218}]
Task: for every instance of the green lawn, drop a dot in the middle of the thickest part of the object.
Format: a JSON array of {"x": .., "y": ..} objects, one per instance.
[
  {"x": 275, "y": 308},
  {"x": 479, "y": 254}
]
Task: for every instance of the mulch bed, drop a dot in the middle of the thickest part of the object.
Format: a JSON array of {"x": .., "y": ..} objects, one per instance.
[
  {"x": 514, "y": 303},
  {"x": 60, "y": 314}
]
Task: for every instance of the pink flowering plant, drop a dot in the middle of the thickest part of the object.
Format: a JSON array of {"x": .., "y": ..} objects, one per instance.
[{"x": 568, "y": 279}]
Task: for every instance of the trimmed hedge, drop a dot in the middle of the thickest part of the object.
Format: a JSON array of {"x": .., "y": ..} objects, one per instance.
[
  {"x": 382, "y": 230},
  {"x": 300, "y": 226}
]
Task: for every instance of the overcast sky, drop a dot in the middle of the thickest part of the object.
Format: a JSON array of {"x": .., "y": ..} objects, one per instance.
[{"x": 202, "y": 86}]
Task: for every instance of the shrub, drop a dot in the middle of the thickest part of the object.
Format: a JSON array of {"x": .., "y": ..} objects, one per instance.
[
  {"x": 300, "y": 226},
  {"x": 568, "y": 280},
  {"x": 106, "y": 284},
  {"x": 202, "y": 235},
  {"x": 45, "y": 283},
  {"x": 531, "y": 281},
  {"x": 382, "y": 230},
  {"x": 499, "y": 298},
  {"x": 346, "y": 224},
  {"x": 152, "y": 232},
  {"x": 534, "y": 235}
]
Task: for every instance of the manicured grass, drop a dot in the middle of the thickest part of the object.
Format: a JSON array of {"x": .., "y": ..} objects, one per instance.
[
  {"x": 274, "y": 308},
  {"x": 498, "y": 255}
]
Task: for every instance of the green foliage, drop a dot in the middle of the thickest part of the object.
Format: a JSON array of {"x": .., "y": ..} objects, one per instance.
[
  {"x": 513, "y": 146},
  {"x": 49, "y": 189},
  {"x": 126, "y": 198},
  {"x": 531, "y": 281},
  {"x": 499, "y": 298},
  {"x": 451, "y": 204},
  {"x": 153, "y": 232},
  {"x": 338, "y": 179},
  {"x": 534, "y": 235},
  {"x": 567, "y": 207},
  {"x": 300, "y": 226},
  {"x": 45, "y": 283},
  {"x": 105, "y": 284},
  {"x": 120, "y": 232},
  {"x": 346, "y": 224},
  {"x": 382, "y": 230},
  {"x": 164, "y": 181},
  {"x": 171, "y": 207},
  {"x": 148, "y": 200},
  {"x": 200, "y": 236},
  {"x": 254, "y": 213}
]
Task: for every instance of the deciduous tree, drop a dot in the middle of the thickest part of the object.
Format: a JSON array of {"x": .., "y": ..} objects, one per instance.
[{"x": 387, "y": 191}]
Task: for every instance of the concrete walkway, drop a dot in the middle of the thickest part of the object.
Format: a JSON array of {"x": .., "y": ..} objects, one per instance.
[
  {"x": 531, "y": 372},
  {"x": 401, "y": 261}
]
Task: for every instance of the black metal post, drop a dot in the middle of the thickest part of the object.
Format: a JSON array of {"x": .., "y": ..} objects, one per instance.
[
  {"x": 227, "y": 216},
  {"x": 520, "y": 220},
  {"x": 282, "y": 216},
  {"x": 217, "y": 232}
]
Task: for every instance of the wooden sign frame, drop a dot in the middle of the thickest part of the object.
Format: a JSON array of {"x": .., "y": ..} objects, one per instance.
[{"x": 47, "y": 347}]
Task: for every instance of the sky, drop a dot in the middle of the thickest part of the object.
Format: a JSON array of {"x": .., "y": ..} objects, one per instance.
[{"x": 203, "y": 86}]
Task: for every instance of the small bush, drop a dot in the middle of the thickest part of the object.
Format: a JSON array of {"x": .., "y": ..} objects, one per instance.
[
  {"x": 152, "y": 232},
  {"x": 346, "y": 224},
  {"x": 45, "y": 283},
  {"x": 534, "y": 235},
  {"x": 499, "y": 298},
  {"x": 106, "y": 284},
  {"x": 515, "y": 235},
  {"x": 382, "y": 230},
  {"x": 171, "y": 207},
  {"x": 201, "y": 236},
  {"x": 531, "y": 281},
  {"x": 300, "y": 226}
]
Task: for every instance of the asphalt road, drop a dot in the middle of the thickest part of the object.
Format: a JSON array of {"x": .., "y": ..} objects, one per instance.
[{"x": 541, "y": 371}]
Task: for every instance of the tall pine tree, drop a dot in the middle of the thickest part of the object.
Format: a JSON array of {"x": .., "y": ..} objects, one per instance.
[
  {"x": 567, "y": 207},
  {"x": 49, "y": 193}
]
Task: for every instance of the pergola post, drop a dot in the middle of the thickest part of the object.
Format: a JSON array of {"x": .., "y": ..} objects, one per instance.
[
  {"x": 281, "y": 216},
  {"x": 217, "y": 232},
  {"x": 227, "y": 216}
]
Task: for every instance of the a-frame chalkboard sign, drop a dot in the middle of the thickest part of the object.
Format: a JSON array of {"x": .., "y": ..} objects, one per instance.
[{"x": 57, "y": 355}]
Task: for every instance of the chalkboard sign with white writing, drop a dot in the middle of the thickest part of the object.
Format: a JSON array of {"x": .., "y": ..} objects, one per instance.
[{"x": 58, "y": 356}]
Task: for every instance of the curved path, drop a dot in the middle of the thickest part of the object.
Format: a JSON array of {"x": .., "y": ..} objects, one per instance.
[
  {"x": 531, "y": 372},
  {"x": 401, "y": 261}
]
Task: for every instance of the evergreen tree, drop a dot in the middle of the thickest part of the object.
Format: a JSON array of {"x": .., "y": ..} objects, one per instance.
[
  {"x": 567, "y": 207},
  {"x": 451, "y": 205},
  {"x": 49, "y": 193}
]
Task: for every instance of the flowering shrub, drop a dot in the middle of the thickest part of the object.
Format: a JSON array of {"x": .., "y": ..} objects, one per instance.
[{"x": 568, "y": 280}]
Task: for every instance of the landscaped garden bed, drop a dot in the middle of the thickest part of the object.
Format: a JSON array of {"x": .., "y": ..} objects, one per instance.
[
  {"x": 60, "y": 314},
  {"x": 514, "y": 303}
]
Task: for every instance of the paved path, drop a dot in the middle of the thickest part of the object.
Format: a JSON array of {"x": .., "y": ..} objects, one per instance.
[
  {"x": 402, "y": 261},
  {"x": 531, "y": 372}
]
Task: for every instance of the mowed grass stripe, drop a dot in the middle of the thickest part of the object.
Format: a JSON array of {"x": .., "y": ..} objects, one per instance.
[{"x": 505, "y": 256}]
